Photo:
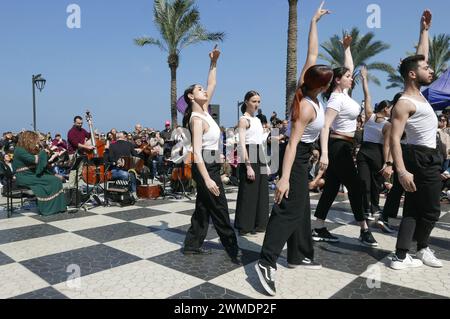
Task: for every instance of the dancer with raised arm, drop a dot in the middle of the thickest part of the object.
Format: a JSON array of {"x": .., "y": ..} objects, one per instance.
[
  {"x": 211, "y": 201},
  {"x": 290, "y": 220},
  {"x": 419, "y": 168}
]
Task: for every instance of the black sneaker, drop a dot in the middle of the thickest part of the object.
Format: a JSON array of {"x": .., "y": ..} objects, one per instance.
[
  {"x": 323, "y": 234},
  {"x": 367, "y": 238},
  {"x": 266, "y": 275},
  {"x": 385, "y": 227},
  {"x": 307, "y": 264},
  {"x": 197, "y": 251}
]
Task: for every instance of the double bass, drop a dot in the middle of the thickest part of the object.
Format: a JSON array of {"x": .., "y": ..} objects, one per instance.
[{"x": 95, "y": 174}]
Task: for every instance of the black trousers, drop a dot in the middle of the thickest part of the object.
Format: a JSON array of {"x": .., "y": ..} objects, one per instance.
[
  {"x": 252, "y": 208},
  {"x": 341, "y": 170},
  {"x": 422, "y": 208},
  {"x": 370, "y": 161},
  {"x": 210, "y": 206},
  {"x": 291, "y": 220}
]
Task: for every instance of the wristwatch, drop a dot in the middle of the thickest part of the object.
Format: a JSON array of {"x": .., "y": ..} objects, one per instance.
[{"x": 389, "y": 164}]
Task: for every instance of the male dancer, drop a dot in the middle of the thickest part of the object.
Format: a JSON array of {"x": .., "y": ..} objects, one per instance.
[{"x": 419, "y": 168}]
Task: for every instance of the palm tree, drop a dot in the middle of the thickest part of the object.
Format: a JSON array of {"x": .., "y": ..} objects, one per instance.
[
  {"x": 363, "y": 49},
  {"x": 178, "y": 22},
  {"x": 291, "y": 64},
  {"x": 439, "y": 56}
]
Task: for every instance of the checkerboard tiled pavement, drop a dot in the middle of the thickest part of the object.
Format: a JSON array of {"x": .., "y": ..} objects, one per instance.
[{"x": 134, "y": 252}]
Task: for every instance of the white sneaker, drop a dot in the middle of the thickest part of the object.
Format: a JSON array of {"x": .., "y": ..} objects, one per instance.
[
  {"x": 408, "y": 262},
  {"x": 428, "y": 258}
]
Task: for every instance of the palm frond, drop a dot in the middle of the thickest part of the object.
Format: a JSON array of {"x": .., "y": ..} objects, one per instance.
[{"x": 143, "y": 41}]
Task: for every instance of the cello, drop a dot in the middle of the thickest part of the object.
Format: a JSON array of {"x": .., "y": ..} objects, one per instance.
[{"x": 94, "y": 174}]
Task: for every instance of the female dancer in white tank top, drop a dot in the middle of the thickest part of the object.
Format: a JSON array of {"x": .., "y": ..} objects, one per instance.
[
  {"x": 290, "y": 220},
  {"x": 211, "y": 201},
  {"x": 252, "y": 208}
]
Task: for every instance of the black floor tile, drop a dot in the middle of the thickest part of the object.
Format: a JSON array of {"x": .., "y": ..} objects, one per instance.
[
  {"x": 45, "y": 293},
  {"x": 113, "y": 232},
  {"x": 209, "y": 291},
  {"x": 54, "y": 268},
  {"x": 29, "y": 232},
  {"x": 134, "y": 214},
  {"x": 347, "y": 257},
  {"x": 206, "y": 267},
  {"x": 359, "y": 289},
  {"x": 4, "y": 259},
  {"x": 212, "y": 234}
]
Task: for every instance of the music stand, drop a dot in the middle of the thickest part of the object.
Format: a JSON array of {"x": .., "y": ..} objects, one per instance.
[
  {"x": 76, "y": 167},
  {"x": 96, "y": 161},
  {"x": 164, "y": 192}
]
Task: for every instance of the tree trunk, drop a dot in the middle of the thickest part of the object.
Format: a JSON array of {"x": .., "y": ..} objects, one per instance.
[
  {"x": 291, "y": 65},
  {"x": 173, "y": 65}
]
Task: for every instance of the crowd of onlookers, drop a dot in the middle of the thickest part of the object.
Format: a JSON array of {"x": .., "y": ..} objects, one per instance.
[{"x": 165, "y": 149}]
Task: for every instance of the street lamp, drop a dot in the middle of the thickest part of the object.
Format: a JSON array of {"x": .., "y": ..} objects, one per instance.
[
  {"x": 39, "y": 82},
  {"x": 239, "y": 104}
]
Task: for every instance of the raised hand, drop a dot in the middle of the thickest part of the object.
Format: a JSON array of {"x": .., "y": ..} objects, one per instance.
[
  {"x": 214, "y": 54},
  {"x": 364, "y": 72},
  {"x": 425, "y": 21},
  {"x": 347, "y": 41},
  {"x": 320, "y": 12}
]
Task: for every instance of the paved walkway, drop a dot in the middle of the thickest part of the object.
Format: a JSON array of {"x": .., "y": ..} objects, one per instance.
[{"x": 134, "y": 252}]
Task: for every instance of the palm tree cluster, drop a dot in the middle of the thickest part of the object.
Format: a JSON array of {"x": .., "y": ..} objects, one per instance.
[{"x": 178, "y": 22}]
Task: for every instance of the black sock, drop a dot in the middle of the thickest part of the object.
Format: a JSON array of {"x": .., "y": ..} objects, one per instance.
[
  {"x": 401, "y": 253},
  {"x": 421, "y": 246}
]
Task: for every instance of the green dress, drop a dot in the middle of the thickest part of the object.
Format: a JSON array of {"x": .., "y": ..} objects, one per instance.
[{"x": 46, "y": 187}]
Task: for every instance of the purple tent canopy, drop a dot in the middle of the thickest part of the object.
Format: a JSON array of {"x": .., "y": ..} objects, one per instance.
[{"x": 438, "y": 93}]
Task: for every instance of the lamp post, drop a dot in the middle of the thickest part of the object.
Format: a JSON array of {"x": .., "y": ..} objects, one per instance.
[
  {"x": 39, "y": 82},
  {"x": 239, "y": 104}
]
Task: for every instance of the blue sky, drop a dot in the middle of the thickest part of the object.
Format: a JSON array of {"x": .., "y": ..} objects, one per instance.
[{"x": 99, "y": 67}]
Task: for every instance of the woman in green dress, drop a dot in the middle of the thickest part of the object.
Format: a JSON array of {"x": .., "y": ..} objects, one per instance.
[{"x": 30, "y": 166}]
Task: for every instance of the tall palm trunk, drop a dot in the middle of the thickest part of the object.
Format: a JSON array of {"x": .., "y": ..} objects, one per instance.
[
  {"x": 291, "y": 65},
  {"x": 173, "y": 65}
]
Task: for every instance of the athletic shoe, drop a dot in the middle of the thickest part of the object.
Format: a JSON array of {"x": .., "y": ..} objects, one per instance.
[
  {"x": 266, "y": 275},
  {"x": 323, "y": 234},
  {"x": 385, "y": 227},
  {"x": 408, "y": 262},
  {"x": 428, "y": 258},
  {"x": 367, "y": 238},
  {"x": 307, "y": 264}
]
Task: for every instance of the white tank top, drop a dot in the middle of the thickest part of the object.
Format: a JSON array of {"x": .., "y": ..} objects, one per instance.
[
  {"x": 421, "y": 128},
  {"x": 210, "y": 140},
  {"x": 373, "y": 131},
  {"x": 312, "y": 130},
  {"x": 254, "y": 134}
]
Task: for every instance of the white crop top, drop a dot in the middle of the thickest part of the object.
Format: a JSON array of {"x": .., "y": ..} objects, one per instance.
[
  {"x": 312, "y": 130},
  {"x": 348, "y": 111},
  {"x": 421, "y": 128},
  {"x": 210, "y": 140},
  {"x": 254, "y": 134}
]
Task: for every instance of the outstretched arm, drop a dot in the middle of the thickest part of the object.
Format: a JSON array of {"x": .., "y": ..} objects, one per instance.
[
  {"x": 368, "y": 109},
  {"x": 424, "y": 44},
  {"x": 348, "y": 62},
  {"x": 212, "y": 76},
  {"x": 313, "y": 43}
]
